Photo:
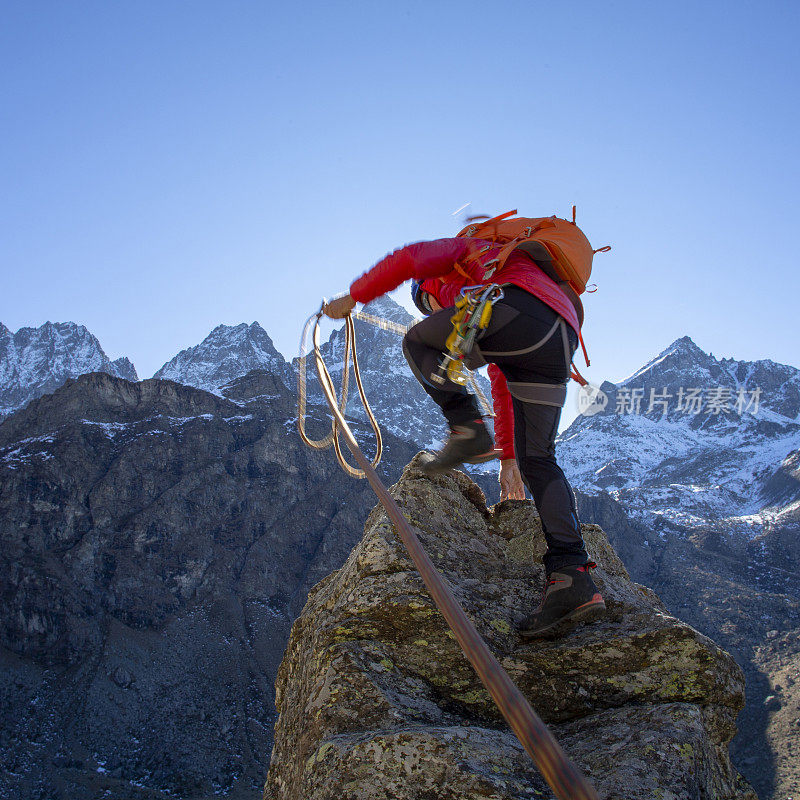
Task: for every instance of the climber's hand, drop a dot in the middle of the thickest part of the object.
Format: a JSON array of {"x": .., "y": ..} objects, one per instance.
[
  {"x": 511, "y": 485},
  {"x": 340, "y": 307}
]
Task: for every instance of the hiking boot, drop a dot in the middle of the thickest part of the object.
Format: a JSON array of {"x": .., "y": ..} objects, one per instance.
[
  {"x": 470, "y": 443},
  {"x": 570, "y": 597}
]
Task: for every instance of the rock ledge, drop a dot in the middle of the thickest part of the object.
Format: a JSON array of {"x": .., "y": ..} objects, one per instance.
[{"x": 376, "y": 699}]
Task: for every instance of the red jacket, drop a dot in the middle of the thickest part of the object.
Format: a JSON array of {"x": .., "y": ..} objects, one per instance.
[{"x": 433, "y": 263}]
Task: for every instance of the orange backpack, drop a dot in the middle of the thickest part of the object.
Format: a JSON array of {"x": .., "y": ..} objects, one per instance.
[{"x": 559, "y": 247}]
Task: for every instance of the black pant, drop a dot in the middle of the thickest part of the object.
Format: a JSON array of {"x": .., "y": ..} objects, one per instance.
[{"x": 533, "y": 347}]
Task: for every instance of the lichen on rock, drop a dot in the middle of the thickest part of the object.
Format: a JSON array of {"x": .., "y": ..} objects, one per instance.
[{"x": 377, "y": 700}]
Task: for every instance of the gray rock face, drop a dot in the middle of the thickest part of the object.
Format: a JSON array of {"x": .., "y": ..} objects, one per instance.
[
  {"x": 227, "y": 353},
  {"x": 156, "y": 543},
  {"x": 35, "y": 361},
  {"x": 745, "y": 594},
  {"x": 376, "y": 699},
  {"x": 125, "y": 369}
]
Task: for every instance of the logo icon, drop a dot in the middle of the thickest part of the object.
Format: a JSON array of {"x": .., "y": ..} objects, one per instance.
[{"x": 591, "y": 400}]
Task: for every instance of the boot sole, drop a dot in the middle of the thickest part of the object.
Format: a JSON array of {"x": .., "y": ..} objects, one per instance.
[
  {"x": 588, "y": 612},
  {"x": 490, "y": 456},
  {"x": 433, "y": 468}
]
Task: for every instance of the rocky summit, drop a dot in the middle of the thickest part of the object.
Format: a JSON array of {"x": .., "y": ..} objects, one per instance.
[{"x": 376, "y": 699}]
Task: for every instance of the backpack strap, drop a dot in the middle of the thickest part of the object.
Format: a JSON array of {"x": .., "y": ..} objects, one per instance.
[
  {"x": 473, "y": 230},
  {"x": 468, "y": 260},
  {"x": 573, "y": 371},
  {"x": 576, "y": 376},
  {"x": 583, "y": 346},
  {"x": 461, "y": 271}
]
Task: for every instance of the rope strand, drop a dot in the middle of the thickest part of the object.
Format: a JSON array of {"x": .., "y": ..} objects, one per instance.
[{"x": 350, "y": 357}]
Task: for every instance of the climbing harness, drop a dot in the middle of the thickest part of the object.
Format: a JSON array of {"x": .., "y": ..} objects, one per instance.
[
  {"x": 564, "y": 778},
  {"x": 473, "y": 312},
  {"x": 351, "y": 358}
]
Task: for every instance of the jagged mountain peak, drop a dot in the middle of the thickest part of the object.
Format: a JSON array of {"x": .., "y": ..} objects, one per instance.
[
  {"x": 684, "y": 367},
  {"x": 52, "y": 331},
  {"x": 35, "y": 361},
  {"x": 63, "y": 326},
  {"x": 691, "y": 440},
  {"x": 227, "y": 353},
  {"x": 685, "y": 345},
  {"x": 125, "y": 369},
  {"x": 237, "y": 332},
  {"x": 682, "y": 356},
  {"x": 387, "y": 308}
]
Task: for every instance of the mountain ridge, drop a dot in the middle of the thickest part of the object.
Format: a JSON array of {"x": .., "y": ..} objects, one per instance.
[
  {"x": 157, "y": 542},
  {"x": 692, "y": 439}
]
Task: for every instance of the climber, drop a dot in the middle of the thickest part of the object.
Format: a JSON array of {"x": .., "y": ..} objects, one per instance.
[{"x": 529, "y": 343}]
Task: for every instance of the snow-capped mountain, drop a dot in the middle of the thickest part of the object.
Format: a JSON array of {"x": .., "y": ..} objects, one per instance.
[
  {"x": 693, "y": 441},
  {"x": 227, "y": 353},
  {"x": 36, "y": 361}
]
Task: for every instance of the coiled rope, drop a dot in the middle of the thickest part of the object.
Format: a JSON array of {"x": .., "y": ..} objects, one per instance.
[
  {"x": 351, "y": 358},
  {"x": 563, "y": 777},
  {"x": 350, "y": 353}
]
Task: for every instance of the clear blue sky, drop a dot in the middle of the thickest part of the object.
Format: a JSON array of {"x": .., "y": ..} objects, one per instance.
[{"x": 169, "y": 166}]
